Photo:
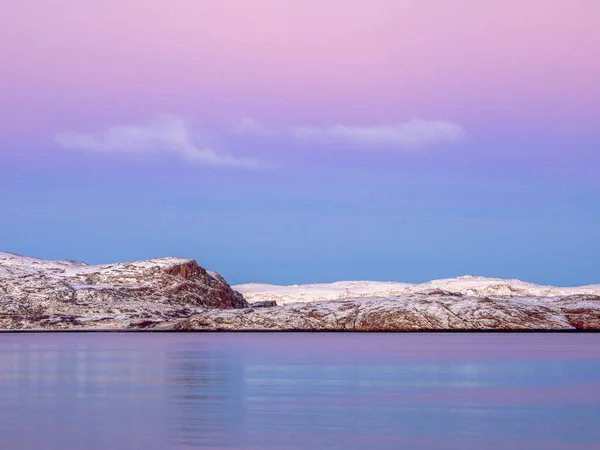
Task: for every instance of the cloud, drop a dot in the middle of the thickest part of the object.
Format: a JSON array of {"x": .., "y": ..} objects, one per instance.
[
  {"x": 413, "y": 134},
  {"x": 166, "y": 134}
]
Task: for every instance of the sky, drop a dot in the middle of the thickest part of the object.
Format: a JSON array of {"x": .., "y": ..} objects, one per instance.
[{"x": 301, "y": 141}]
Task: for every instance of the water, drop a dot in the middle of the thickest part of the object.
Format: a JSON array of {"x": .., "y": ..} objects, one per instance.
[{"x": 299, "y": 390}]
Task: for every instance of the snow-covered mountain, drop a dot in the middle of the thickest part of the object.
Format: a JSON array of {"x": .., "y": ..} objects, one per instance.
[
  {"x": 35, "y": 292},
  {"x": 177, "y": 294},
  {"x": 467, "y": 285}
]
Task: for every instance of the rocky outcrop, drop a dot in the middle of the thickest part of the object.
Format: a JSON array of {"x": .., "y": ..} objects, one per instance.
[
  {"x": 263, "y": 304},
  {"x": 67, "y": 294},
  {"x": 420, "y": 312},
  {"x": 583, "y": 311}
]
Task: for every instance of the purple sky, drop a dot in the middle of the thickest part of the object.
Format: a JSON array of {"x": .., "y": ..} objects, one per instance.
[{"x": 412, "y": 139}]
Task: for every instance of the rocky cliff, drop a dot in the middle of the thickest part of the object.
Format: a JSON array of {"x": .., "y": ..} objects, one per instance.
[{"x": 68, "y": 294}]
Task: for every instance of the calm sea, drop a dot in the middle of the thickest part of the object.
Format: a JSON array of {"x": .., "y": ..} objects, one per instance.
[{"x": 299, "y": 390}]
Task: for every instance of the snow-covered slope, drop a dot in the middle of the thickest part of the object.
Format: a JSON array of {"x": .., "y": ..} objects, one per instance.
[
  {"x": 467, "y": 285},
  {"x": 415, "y": 312},
  {"x": 38, "y": 292}
]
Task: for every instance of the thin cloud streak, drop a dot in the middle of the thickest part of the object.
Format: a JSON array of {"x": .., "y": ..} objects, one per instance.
[
  {"x": 166, "y": 134},
  {"x": 414, "y": 134},
  {"x": 409, "y": 135}
]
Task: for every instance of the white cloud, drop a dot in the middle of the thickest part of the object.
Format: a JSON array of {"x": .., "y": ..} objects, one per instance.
[
  {"x": 413, "y": 134},
  {"x": 166, "y": 134}
]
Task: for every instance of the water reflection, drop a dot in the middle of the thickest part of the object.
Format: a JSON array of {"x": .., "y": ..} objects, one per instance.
[
  {"x": 203, "y": 395},
  {"x": 275, "y": 391}
]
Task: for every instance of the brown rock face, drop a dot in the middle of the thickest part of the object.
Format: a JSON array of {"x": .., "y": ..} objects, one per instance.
[
  {"x": 583, "y": 311},
  {"x": 202, "y": 288},
  {"x": 584, "y": 318},
  {"x": 188, "y": 269}
]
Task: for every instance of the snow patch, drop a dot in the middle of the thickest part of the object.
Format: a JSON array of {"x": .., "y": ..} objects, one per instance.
[{"x": 467, "y": 285}]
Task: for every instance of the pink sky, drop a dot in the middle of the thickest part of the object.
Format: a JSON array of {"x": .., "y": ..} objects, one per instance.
[
  {"x": 303, "y": 141},
  {"x": 73, "y": 64}
]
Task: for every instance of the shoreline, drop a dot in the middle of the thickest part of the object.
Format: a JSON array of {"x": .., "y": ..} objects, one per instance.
[{"x": 422, "y": 331}]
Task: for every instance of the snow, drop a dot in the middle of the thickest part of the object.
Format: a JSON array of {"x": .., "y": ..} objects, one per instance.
[
  {"x": 414, "y": 312},
  {"x": 22, "y": 276},
  {"x": 26, "y": 264},
  {"x": 467, "y": 285}
]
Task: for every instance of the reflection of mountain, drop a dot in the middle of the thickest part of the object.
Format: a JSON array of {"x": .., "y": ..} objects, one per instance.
[
  {"x": 205, "y": 396},
  {"x": 72, "y": 392},
  {"x": 298, "y": 390},
  {"x": 389, "y": 391}
]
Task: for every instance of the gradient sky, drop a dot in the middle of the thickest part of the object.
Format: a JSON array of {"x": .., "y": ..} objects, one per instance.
[{"x": 293, "y": 141}]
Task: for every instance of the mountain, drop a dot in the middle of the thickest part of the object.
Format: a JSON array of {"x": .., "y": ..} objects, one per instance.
[
  {"x": 35, "y": 293},
  {"x": 467, "y": 285},
  {"x": 178, "y": 294}
]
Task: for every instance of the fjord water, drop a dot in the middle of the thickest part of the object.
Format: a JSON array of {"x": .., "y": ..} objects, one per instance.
[{"x": 299, "y": 390}]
